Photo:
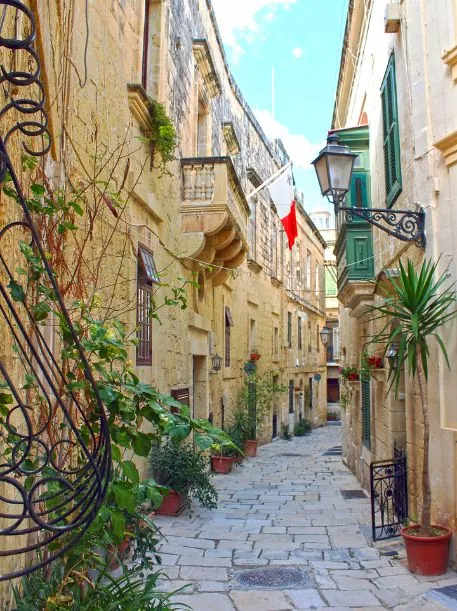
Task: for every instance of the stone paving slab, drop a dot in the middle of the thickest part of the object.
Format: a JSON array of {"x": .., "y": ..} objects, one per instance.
[{"x": 287, "y": 512}]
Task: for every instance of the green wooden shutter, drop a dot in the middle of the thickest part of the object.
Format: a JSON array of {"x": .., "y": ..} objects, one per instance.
[
  {"x": 366, "y": 414},
  {"x": 391, "y": 135},
  {"x": 358, "y": 191}
]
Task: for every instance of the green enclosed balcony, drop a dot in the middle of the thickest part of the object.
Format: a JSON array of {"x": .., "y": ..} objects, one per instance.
[{"x": 354, "y": 244}]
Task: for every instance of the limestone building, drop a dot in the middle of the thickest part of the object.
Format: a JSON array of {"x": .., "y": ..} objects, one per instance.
[
  {"x": 186, "y": 232},
  {"x": 325, "y": 222},
  {"x": 396, "y": 107}
]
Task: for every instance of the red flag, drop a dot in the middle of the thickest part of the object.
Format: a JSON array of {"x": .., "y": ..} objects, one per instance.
[{"x": 290, "y": 225}]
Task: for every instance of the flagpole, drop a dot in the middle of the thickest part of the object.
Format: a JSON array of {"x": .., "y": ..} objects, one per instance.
[{"x": 270, "y": 180}]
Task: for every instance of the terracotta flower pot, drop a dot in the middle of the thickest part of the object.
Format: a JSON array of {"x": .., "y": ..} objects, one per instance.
[
  {"x": 222, "y": 464},
  {"x": 375, "y": 361},
  {"x": 427, "y": 555},
  {"x": 255, "y": 356},
  {"x": 250, "y": 448},
  {"x": 172, "y": 504}
]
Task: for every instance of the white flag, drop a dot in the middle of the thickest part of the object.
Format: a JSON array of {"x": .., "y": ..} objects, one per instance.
[{"x": 282, "y": 191}]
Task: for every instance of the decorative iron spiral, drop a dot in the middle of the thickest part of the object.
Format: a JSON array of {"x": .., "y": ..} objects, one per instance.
[{"x": 55, "y": 457}]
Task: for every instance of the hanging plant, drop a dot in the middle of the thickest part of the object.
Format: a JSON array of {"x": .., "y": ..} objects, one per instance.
[{"x": 163, "y": 134}]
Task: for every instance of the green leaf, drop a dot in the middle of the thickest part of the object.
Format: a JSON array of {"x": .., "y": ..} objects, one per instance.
[
  {"x": 142, "y": 444},
  {"x": 115, "y": 453},
  {"x": 130, "y": 471},
  {"x": 16, "y": 290},
  {"x": 125, "y": 497},
  {"x": 118, "y": 523},
  {"x": 76, "y": 207},
  {"x": 38, "y": 189},
  {"x": 40, "y": 311},
  {"x": 179, "y": 432},
  {"x": 6, "y": 399},
  {"x": 204, "y": 442}
]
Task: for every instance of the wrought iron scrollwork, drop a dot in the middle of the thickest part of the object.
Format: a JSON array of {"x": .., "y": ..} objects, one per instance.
[
  {"x": 405, "y": 225},
  {"x": 54, "y": 441},
  {"x": 389, "y": 497}
]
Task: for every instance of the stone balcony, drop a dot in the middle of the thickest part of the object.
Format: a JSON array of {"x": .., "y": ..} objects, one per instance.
[{"x": 214, "y": 215}]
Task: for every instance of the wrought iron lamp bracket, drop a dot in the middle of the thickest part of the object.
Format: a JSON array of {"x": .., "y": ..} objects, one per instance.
[{"x": 405, "y": 225}]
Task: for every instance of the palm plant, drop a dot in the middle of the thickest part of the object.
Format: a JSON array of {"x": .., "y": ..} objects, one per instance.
[{"x": 420, "y": 305}]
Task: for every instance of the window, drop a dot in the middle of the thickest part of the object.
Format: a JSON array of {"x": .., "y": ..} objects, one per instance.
[
  {"x": 276, "y": 343},
  {"x": 318, "y": 338},
  {"x": 228, "y": 321},
  {"x": 289, "y": 329},
  {"x": 299, "y": 341},
  {"x": 274, "y": 251},
  {"x": 144, "y": 67},
  {"x": 291, "y": 397},
  {"x": 203, "y": 128},
  {"x": 308, "y": 270},
  {"x": 252, "y": 228},
  {"x": 252, "y": 336},
  {"x": 391, "y": 134},
  {"x": 298, "y": 277},
  {"x": 309, "y": 336},
  {"x": 146, "y": 277}
]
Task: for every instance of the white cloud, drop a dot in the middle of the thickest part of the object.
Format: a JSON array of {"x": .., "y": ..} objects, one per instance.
[
  {"x": 239, "y": 20},
  {"x": 297, "y": 52},
  {"x": 301, "y": 150}
]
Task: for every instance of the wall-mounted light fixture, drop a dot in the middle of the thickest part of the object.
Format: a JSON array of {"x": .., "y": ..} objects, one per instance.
[
  {"x": 216, "y": 362},
  {"x": 334, "y": 167}
]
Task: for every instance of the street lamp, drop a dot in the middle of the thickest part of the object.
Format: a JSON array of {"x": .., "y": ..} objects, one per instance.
[
  {"x": 325, "y": 335},
  {"x": 216, "y": 362},
  {"x": 392, "y": 357},
  {"x": 334, "y": 167}
]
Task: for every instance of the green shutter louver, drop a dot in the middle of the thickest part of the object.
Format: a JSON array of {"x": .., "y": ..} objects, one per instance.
[
  {"x": 391, "y": 135},
  {"x": 366, "y": 414}
]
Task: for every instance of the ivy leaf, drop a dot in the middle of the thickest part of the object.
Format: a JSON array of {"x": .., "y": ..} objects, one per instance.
[
  {"x": 142, "y": 444},
  {"x": 6, "y": 399},
  {"x": 130, "y": 471},
  {"x": 38, "y": 189},
  {"x": 66, "y": 226},
  {"x": 125, "y": 497},
  {"x": 16, "y": 290},
  {"x": 40, "y": 311}
]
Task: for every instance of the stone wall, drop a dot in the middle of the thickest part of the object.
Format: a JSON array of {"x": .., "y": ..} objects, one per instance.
[{"x": 427, "y": 99}]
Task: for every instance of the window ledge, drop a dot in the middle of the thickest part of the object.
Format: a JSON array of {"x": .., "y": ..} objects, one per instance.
[
  {"x": 140, "y": 106},
  {"x": 450, "y": 59},
  {"x": 276, "y": 282},
  {"x": 254, "y": 266},
  {"x": 448, "y": 148}
]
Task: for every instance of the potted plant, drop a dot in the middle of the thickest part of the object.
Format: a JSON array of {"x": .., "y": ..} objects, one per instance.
[
  {"x": 419, "y": 305},
  {"x": 350, "y": 373},
  {"x": 223, "y": 456},
  {"x": 183, "y": 470},
  {"x": 255, "y": 406},
  {"x": 255, "y": 355}
]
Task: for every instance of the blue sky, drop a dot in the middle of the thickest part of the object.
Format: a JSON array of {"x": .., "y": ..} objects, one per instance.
[{"x": 302, "y": 39}]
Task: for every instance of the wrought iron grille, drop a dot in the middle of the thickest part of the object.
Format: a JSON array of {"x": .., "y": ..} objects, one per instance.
[
  {"x": 389, "y": 497},
  {"x": 54, "y": 440}
]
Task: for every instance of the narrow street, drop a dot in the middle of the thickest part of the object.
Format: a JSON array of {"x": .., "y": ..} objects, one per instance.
[{"x": 284, "y": 510}]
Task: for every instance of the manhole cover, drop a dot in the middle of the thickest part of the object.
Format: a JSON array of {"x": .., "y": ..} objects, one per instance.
[
  {"x": 447, "y": 596},
  {"x": 353, "y": 494},
  {"x": 271, "y": 577}
]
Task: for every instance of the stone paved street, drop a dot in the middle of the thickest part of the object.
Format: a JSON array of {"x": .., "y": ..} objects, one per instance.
[{"x": 284, "y": 509}]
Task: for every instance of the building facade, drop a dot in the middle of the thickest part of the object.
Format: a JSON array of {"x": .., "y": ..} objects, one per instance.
[
  {"x": 325, "y": 222},
  {"x": 396, "y": 108}
]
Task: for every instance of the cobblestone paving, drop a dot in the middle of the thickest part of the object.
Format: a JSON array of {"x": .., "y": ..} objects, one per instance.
[{"x": 284, "y": 509}]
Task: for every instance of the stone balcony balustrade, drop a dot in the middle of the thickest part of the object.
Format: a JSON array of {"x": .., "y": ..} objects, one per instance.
[{"x": 214, "y": 214}]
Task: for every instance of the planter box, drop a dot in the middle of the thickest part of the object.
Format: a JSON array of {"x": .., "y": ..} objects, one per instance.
[
  {"x": 222, "y": 464},
  {"x": 250, "y": 448},
  {"x": 172, "y": 504}
]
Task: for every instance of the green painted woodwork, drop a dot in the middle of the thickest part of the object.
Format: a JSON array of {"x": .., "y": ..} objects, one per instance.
[
  {"x": 391, "y": 134},
  {"x": 366, "y": 414}
]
